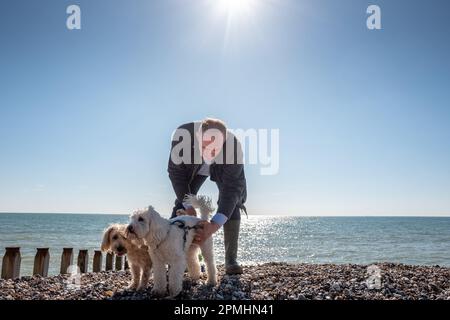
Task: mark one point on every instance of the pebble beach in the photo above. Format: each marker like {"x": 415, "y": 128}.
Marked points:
{"x": 269, "y": 281}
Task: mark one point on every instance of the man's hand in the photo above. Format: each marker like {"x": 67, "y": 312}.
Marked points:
{"x": 187, "y": 212}
{"x": 205, "y": 230}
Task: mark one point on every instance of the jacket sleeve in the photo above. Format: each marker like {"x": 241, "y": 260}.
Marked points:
{"x": 178, "y": 175}
{"x": 233, "y": 186}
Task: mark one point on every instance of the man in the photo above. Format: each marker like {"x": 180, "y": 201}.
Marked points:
{"x": 202, "y": 149}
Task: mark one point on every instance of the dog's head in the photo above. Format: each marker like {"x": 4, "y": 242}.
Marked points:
{"x": 114, "y": 239}
{"x": 140, "y": 221}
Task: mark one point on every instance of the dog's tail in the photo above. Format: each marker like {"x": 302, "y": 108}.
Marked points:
{"x": 203, "y": 203}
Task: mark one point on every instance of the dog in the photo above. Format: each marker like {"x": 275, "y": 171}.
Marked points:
{"x": 137, "y": 254}
{"x": 170, "y": 242}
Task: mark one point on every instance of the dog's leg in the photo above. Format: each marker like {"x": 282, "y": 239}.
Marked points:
{"x": 135, "y": 276}
{"x": 145, "y": 276}
{"x": 193, "y": 263}
{"x": 176, "y": 272}
{"x": 208, "y": 254}
{"x": 159, "y": 278}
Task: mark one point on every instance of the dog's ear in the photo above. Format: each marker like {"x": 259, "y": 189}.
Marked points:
{"x": 106, "y": 243}
{"x": 150, "y": 211}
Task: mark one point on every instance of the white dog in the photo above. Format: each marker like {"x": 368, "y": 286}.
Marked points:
{"x": 137, "y": 253}
{"x": 170, "y": 242}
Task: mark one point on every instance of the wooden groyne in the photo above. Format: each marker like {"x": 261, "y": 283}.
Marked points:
{"x": 12, "y": 260}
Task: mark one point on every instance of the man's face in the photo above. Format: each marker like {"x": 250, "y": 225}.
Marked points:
{"x": 212, "y": 143}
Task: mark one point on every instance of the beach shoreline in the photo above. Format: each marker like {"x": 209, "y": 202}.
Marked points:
{"x": 268, "y": 281}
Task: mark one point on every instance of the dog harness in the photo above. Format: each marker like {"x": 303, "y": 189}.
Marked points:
{"x": 182, "y": 225}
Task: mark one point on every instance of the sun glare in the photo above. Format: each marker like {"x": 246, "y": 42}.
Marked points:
{"x": 237, "y": 7}
{"x": 240, "y": 18}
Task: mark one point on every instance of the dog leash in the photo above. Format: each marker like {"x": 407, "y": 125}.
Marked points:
{"x": 243, "y": 208}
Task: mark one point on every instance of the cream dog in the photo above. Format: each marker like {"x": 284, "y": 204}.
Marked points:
{"x": 137, "y": 254}
{"x": 170, "y": 242}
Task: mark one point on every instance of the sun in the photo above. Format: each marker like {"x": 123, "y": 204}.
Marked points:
{"x": 236, "y": 7}
{"x": 239, "y": 19}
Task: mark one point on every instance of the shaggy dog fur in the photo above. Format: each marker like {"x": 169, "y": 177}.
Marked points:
{"x": 114, "y": 240}
{"x": 172, "y": 245}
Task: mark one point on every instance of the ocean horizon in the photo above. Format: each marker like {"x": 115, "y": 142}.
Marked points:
{"x": 253, "y": 214}
{"x": 293, "y": 239}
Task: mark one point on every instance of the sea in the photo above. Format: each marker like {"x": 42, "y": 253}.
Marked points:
{"x": 339, "y": 240}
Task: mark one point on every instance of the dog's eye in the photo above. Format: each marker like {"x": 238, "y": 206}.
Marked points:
{"x": 140, "y": 219}
{"x": 115, "y": 237}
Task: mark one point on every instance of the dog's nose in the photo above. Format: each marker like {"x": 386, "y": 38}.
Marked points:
{"x": 130, "y": 228}
{"x": 120, "y": 249}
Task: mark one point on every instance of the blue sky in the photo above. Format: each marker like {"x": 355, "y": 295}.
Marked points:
{"x": 86, "y": 115}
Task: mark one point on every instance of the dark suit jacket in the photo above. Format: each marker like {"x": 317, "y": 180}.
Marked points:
{"x": 228, "y": 174}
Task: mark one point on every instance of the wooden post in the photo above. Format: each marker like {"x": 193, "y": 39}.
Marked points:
{"x": 41, "y": 261}
{"x": 127, "y": 267}
{"x": 66, "y": 260}
{"x": 11, "y": 263}
{"x": 109, "y": 261}
{"x": 83, "y": 261}
{"x": 118, "y": 263}
{"x": 98, "y": 258}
